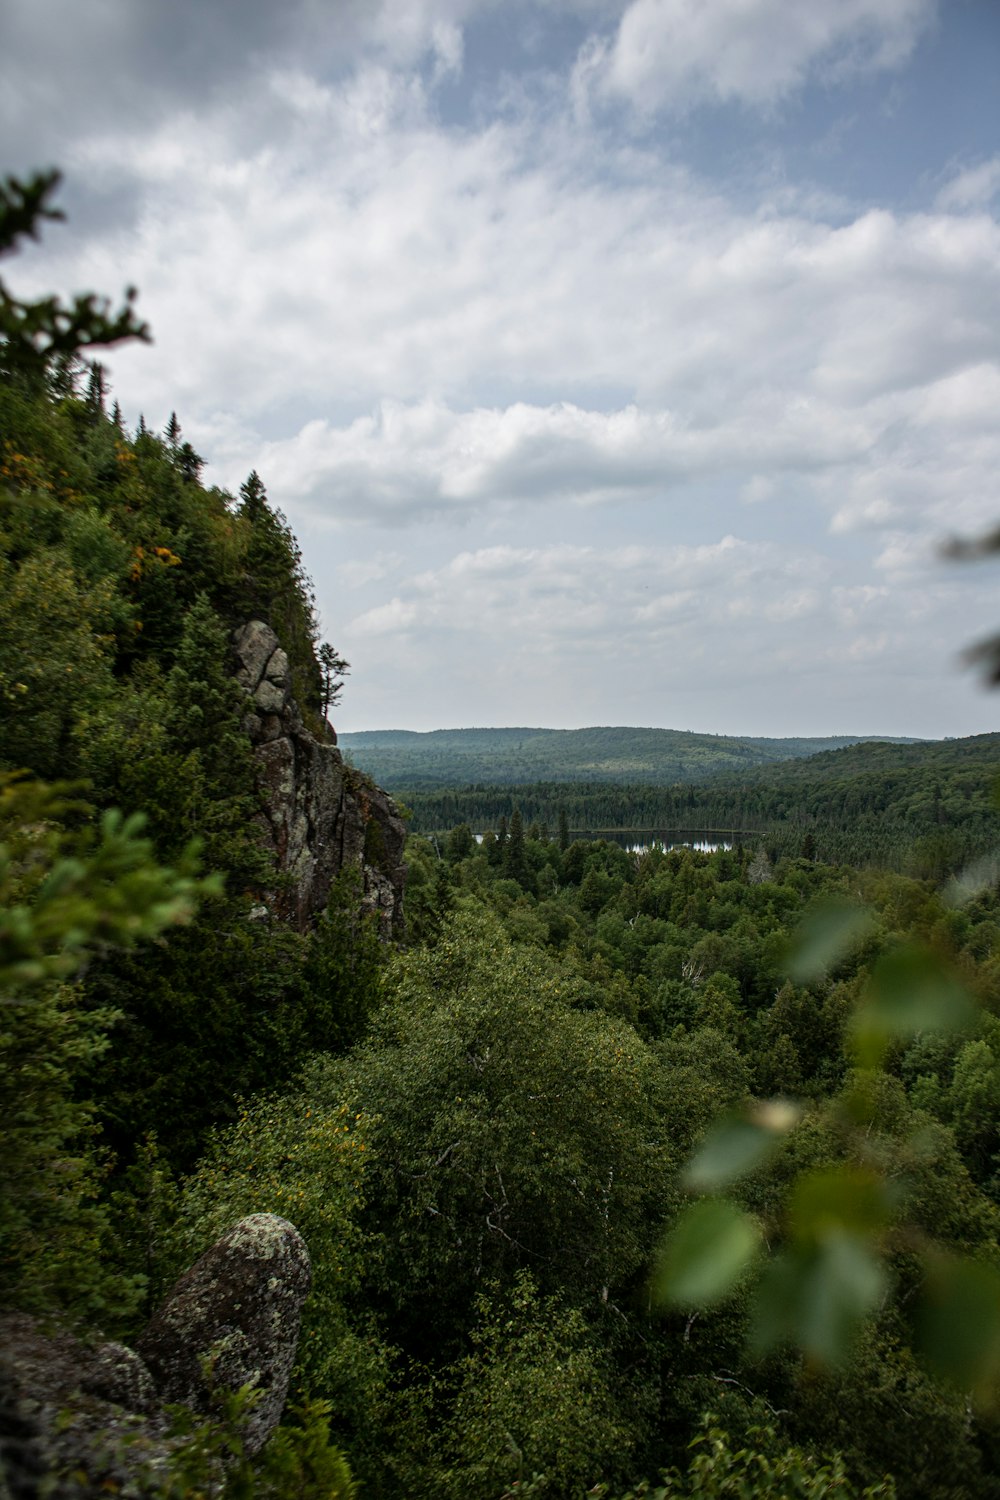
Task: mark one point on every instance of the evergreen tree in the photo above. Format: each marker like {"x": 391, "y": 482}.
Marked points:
{"x": 277, "y": 590}
{"x": 190, "y": 463}
{"x": 514, "y": 862}
{"x": 40, "y": 340}
{"x": 459, "y": 844}
{"x": 334, "y": 668}
{"x": 563, "y": 830}
{"x": 96, "y": 389}
{"x": 204, "y": 702}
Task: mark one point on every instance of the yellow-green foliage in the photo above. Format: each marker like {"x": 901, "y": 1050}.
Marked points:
{"x": 305, "y": 1160}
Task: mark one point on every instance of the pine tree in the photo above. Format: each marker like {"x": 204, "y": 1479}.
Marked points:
{"x": 173, "y": 431}
{"x": 334, "y": 669}
{"x": 205, "y": 704}
{"x": 190, "y": 463}
{"x": 278, "y": 591}
{"x": 96, "y": 389}
{"x": 514, "y": 862}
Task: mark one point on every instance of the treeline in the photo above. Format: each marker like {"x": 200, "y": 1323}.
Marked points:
{"x": 929, "y": 814}
{"x": 501, "y": 757}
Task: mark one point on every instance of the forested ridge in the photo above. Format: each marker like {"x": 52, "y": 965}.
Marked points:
{"x": 448, "y": 757}
{"x": 656, "y": 1173}
{"x": 925, "y": 808}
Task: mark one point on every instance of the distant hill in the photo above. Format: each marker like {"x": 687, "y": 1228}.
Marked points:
{"x": 927, "y": 807}
{"x": 402, "y": 759}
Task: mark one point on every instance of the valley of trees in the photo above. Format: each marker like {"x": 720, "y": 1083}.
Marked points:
{"x": 485, "y": 1135}
{"x": 926, "y": 809}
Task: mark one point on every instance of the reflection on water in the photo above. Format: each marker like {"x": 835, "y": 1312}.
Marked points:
{"x": 641, "y": 840}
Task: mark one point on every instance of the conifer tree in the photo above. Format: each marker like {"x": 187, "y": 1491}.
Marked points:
{"x": 190, "y": 463}
{"x": 42, "y": 339}
{"x": 96, "y": 388}
{"x": 515, "y": 864}
{"x": 334, "y": 669}
{"x": 205, "y": 703}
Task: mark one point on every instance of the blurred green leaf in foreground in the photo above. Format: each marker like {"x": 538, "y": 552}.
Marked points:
{"x": 841, "y": 1225}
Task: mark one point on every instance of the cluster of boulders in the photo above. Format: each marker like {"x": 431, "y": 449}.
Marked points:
{"x": 81, "y": 1421}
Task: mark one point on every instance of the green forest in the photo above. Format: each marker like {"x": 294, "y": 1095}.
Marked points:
{"x": 627, "y": 1173}
{"x": 925, "y": 809}
{"x": 512, "y": 757}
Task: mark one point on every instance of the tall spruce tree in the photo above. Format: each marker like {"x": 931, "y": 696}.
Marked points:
{"x": 278, "y": 591}
{"x": 514, "y": 862}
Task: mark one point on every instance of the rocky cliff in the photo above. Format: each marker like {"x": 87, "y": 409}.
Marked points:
{"x": 321, "y": 815}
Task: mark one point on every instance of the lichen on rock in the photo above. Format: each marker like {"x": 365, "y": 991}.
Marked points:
{"x": 77, "y": 1421}
{"x": 235, "y": 1315}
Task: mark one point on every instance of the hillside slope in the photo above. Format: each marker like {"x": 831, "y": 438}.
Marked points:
{"x": 405, "y": 759}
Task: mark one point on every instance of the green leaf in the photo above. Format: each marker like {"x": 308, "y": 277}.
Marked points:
{"x": 738, "y": 1144}
{"x": 853, "y": 1200}
{"x": 979, "y": 876}
{"x": 709, "y": 1248}
{"x": 826, "y": 935}
{"x": 958, "y": 1323}
{"x": 816, "y": 1297}
{"x": 911, "y": 989}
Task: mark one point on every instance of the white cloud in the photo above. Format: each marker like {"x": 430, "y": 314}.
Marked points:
{"x": 151, "y": 58}
{"x": 417, "y": 268}
{"x": 974, "y": 188}
{"x": 394, "y": 291}
{"x": 355, "y": 573}
{"x": 393, "y": 619}
{"x": 675, "y": 53}
{"x": 407, "y": 461}
{"x": 401, "y": 308}
{"x": 571, "y": 627}
{"x": 533, "y": 598}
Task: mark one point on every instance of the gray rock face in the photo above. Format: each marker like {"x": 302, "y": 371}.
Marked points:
{"x": 82, "y": 1422}
{"x": 240, "y": 1305}
{"x": 67, "y": 1423}
{"x": 117, "y": 1374}
{"x": 321, "y": 815}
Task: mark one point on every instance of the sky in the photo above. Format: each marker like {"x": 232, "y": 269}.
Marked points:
{"x": 614, "y": 361}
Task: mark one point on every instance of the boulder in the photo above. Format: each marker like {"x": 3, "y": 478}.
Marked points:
{"x": 74, "y": 1421}
{"x": 239, "y": 1307}
{"x": 254, "y": 644}
{"x": 79, "y": 1421}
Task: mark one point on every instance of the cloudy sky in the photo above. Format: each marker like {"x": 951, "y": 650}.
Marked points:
{"x": 615, "y": 361}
